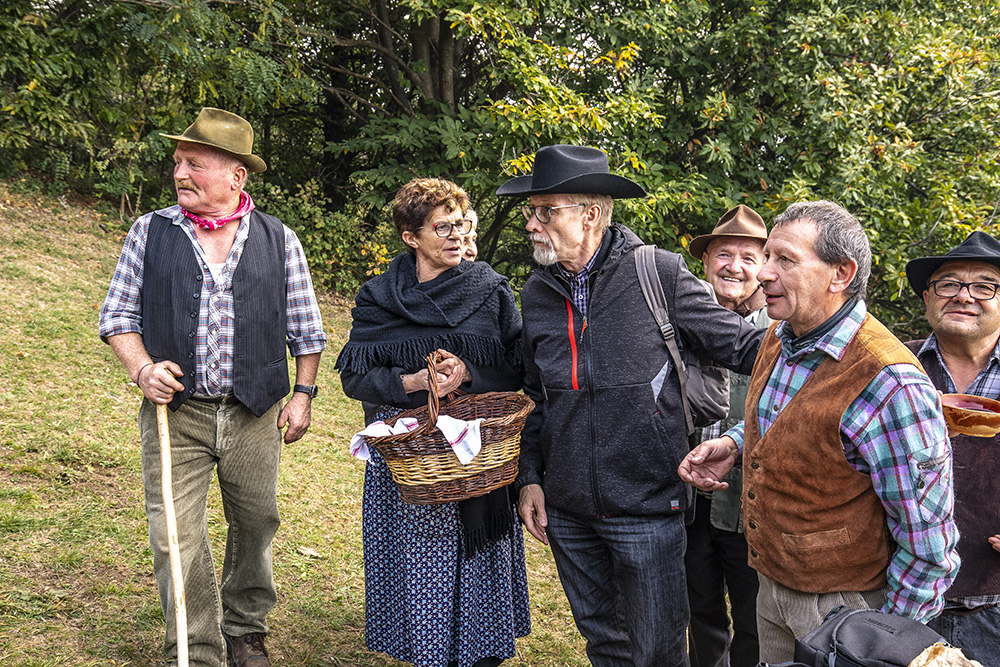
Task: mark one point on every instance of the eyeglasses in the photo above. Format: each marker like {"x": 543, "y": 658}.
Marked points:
{"x": 978, "y": 291}
{"x": 543, "y": 213}
{"x": 443, "y": 229}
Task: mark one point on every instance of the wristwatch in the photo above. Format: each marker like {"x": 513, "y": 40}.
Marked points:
{"x": 310, "y": 389}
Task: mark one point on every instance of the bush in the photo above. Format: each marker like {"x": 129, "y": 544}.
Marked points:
{"x": 342, "y": 254}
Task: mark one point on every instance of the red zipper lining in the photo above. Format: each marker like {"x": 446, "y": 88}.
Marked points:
{"x": 572, "y": 343}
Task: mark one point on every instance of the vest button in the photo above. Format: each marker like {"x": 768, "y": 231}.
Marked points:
{"x": 197, "y": 295}
{"x": 190, "y": 334}
{"x": 752, "y": 524}
{"x": 190, "y": 355}
{"x": 755, "y": 465}
{"x": 753, "y": 552}
{"x": 198, "y": 277}
{"x": 194, "y": 314}
{"x": 751, "y": 495}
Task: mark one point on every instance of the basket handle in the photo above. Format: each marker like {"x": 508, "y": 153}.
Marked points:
{"x": 433, "y": 402}
{"x": 432, "y": 393}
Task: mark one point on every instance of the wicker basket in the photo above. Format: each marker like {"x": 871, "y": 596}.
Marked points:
{"x": 422, "y": 463}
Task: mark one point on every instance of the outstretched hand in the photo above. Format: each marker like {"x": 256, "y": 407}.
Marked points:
{"x": 708, "y": 463}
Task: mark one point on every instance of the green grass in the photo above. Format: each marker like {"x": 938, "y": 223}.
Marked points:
{"x": 76, "y": 581}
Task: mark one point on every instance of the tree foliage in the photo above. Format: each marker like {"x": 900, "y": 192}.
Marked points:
{"x": 889, "y": 108}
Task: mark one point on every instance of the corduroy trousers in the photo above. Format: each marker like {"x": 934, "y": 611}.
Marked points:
{"x": 208, "y": 440}
{"x": 784, "y": 613}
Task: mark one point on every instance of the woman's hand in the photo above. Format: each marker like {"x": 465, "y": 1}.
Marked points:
{"x": 452, "y": 372}
{"x": 415, "y": 381}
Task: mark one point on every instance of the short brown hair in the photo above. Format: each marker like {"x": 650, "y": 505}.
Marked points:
{"x": 415, "y": 201}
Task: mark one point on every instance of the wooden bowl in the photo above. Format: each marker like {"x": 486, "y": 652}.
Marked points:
{"x": 971, "y": 415}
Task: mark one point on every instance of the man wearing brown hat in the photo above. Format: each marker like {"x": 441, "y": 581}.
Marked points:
{"x": 206, "y": 296}
{"x": 716, "y": 557}
{"x": 962, "y": 355}
{"x": 597, "y": 477}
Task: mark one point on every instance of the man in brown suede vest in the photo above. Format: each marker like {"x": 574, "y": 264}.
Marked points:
{"x": 847, "y": 494}
{"x": 962, "y": 355}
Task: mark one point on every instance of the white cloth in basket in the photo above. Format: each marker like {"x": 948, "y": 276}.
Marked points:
{"x": 465, "y": 437}
{"x": 358, "y": 446}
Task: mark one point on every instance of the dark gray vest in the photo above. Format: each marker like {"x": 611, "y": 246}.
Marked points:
{"x": 977, "y": 504}
{"x": 171, "y": 294}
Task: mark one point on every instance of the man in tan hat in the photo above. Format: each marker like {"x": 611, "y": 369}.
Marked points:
{"x": 206, "y": 296}
{"x": 716, "y": 557}
{"x": 597, "y": 477}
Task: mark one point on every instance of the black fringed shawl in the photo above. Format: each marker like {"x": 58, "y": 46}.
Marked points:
{"x": 399, "y": 321}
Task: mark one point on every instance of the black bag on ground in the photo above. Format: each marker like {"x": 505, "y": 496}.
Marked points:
{"x": 864, "y": 638}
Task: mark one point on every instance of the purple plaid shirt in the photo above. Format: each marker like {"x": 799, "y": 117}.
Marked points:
{"x": 122, "y": 310}
{"x": 894, "y": 432}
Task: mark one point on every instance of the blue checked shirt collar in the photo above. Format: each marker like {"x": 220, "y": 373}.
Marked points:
{"x": 987, "y": 383}
{"x": 579, "y": 283}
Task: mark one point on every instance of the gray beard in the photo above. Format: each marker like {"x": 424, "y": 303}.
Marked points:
{"x": 545, "y": 255}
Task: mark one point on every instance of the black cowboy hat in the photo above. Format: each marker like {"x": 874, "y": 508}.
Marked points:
{"x": 978, "y": 247}
{"x": 564, "y": 169}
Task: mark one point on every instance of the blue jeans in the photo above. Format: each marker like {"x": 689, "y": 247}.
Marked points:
{"x": 977, "y": 634}
{"x": 624, "y": 578}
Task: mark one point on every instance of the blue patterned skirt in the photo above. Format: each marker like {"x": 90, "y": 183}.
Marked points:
{"x": 424, "y": 602}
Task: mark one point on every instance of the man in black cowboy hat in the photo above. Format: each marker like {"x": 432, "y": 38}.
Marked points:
{"x": 716, "y": 557}
{"x": 599, "y": 454}
{"x": 206, "y": 296}
{"x": 962, "y": 355}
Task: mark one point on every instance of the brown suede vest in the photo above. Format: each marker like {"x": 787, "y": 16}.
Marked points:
{"x": 977, "y": 503}
{"x": 812, "y": 521}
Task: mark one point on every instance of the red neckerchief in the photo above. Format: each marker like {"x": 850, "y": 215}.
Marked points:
{"x": 246, "y": 205}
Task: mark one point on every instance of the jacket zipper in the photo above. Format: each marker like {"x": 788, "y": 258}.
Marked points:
{"x": 588, "y": 361}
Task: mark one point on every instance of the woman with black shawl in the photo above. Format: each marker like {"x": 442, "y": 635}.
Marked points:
{"x": 445, "y": 585}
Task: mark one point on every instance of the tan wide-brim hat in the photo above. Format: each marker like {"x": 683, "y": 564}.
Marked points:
{"x": 740, "y": 221}
{"x": 225, "y": 131}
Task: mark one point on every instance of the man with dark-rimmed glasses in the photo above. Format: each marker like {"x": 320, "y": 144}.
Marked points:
{"x": 962, "y": 355}
{"x": 597, "y": 478}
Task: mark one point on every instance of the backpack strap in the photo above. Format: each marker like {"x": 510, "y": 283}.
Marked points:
{"x": 652, "y": 291}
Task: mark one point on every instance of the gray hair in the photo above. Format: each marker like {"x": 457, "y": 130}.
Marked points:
{"x": 606, "y": 203}
{"x": 841, "y": 238}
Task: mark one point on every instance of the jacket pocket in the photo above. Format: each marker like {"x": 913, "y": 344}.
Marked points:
{"x": 816, "y": 541}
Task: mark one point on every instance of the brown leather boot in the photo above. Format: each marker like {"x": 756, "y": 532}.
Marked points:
{"x": 247, "y": 650}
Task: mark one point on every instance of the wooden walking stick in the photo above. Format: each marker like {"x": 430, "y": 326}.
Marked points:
{"x": 173, "y": 547}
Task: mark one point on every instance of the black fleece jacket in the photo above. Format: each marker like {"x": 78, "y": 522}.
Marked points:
{"x": 608, "y": 433}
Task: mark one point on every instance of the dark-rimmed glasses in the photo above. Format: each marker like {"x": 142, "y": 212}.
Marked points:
{"x": 543, "y": 213}
{"x": 979, "y": 291}
{"x": 443, "y": 229}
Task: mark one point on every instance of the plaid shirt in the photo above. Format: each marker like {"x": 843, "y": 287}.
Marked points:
{"x": 987, "y": 384}
{"x": 889, "y": 432}
{"x": 122, "y": 310}
{"x": 579, "y": 284}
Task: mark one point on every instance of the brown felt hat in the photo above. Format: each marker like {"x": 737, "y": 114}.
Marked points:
{"x": 225, "y": 131}
{"x": 739, "y": 221}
